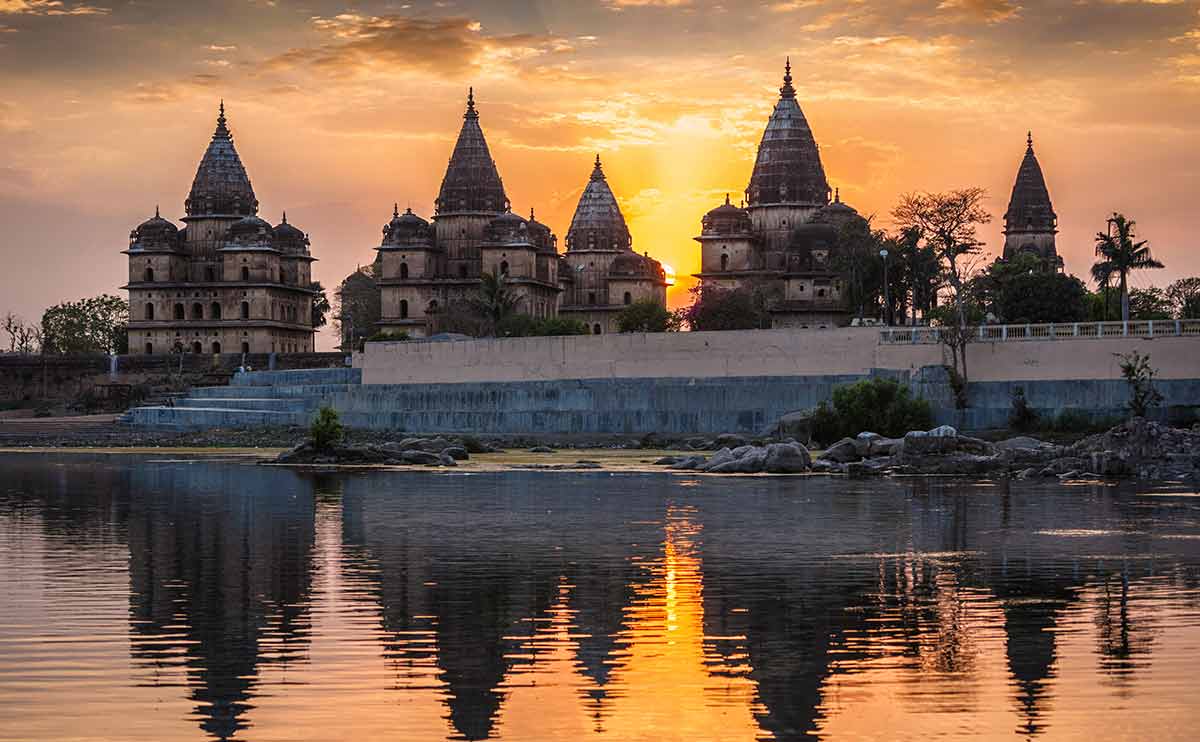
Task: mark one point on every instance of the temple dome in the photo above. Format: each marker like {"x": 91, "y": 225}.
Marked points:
{"x": 289, "y": 239}
{"x": 1030, "y": 209}
{"x": 471, "y": 184}
{"x": 838, "y": 214}
{"x": 788, "y": 169}
{"x": 541, "y": 236}
{"x": 632, "y": 265}
{"x": 726, "y": 219}
{"x": 598, "y": 223}
{"x": 405, "y": 228}
{"x": 221, "y": 186}
{"x": 251, "y": 231}
{"x": 155, "y": 233}
{"x": 507, "y": 228}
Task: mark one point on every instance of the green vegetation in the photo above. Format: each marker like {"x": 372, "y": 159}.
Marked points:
{"x": 1021, "y": 290}
{"x": 1139, "y": 375}
{"x": 881, "y": 406}
{"x": 320, "y": 305}
{"x": 95, "y": 325}
{"x": 326, "y": 429}
{"x": 1119, "y": 255}
{"x": 715, "y": 308}
{"x": 522, "y": 325}
{"x": 647, "y": 315}
{"x": 1022, "y": 418}
{"x": 388, "y": 337}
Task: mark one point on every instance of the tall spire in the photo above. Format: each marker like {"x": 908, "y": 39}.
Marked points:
{"x": 598, "y": 223}
{"x": 788, "y": 169}
{"x": 1030, "y": 222}
{"x": 471, "y": 183}
{"x": 787, "y": 91}
{"x": 221, "y": 186}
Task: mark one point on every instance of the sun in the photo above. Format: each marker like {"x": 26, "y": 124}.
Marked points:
{"x": 670, "y": 274}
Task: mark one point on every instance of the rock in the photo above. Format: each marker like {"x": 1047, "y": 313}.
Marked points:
{"x": 750, "y": 462}
{"x": 1020, "y": 442}
{"x": 458, "y": 453}
{"x": 1029, "y": 473}
{"x": 420, "y": 457}
{"x": 446, "y": 459}
{"x": 723, "y": 456}
{"x": 729, "y": 440}
{"x": 787, "y": 458}
{"x": 699, "y": 444}
{"x": 844, "y": 451}
{"x": 741, "y": 451}
{"x": 295, "y": 454}
{"x": 825, "y": 466}
{"x": 796, "y": 424}
{"x": 690, "y": 462}
{"x": 667, "y": 461}
{"x": 541, "y": 449}
{"x": 867, "y": 435}
{"x": 884, "y": 447}
{"x": 474, "y": 445}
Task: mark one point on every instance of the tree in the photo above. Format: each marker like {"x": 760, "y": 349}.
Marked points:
{"x": 523, "y": 325}
{"x": 1019, "y": 291}
{"x": 495, "y": 302}
{"x": 647, "y": 315}
{"x": 358, "y": 308}
{"x": 947, "y": 224}
{"x": 1139, "y": 375}
{"x": 96, "y": 325}
{"x": 22, "y": 337}
{"x": 1119, "y": 255}
{"x": 1150, "y": 304}
{"x": 320, "y": 305}
{"x": 714, "y": 308}
{"x": 1184, "y": 296}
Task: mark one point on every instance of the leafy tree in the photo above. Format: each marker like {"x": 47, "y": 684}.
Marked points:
{"x": 326, "y": 429}
{"x": 523, "y": 325}
{"x": 1119, "y": 255}
{"x": 320, "y": 305}
{"x": 1149, "y": 304}
{"x": 647, "y": 316}
{"x": 881, "y": 406}
{"x": 1019, "y": 290}
{"x": 744, "y": 308}
{"x": 357, "y": 308}
{"x": 495, "y": 302}
{"x": 95, "y": 325}
{"x": 947, "y": 224}
{"x": 1184, "y": 296}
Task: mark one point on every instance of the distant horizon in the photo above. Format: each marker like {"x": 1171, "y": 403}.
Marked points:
{"x": 339, "y": 113}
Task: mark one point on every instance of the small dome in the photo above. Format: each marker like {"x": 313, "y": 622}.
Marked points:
{"x": 289, "y": 239}
{"x": 251, "y": 231}
{"x": 838, "y": 214}
{"x": 631, "y": 264}
{"x": 540, "y": 235}
{"x": 154, "y": 233}
{"x": 508, "y": 227}
{"x": 405, "y": 228}
{"x": 726, "y": 219}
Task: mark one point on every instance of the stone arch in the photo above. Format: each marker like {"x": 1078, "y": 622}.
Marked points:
{"x": 404, "y": 309}
{"x": 245, "y": 310}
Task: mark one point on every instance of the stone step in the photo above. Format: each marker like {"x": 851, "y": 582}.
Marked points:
{"x": 265, "y": 392}
{"x": 275, "y": 404}
{"x": 300, "y": 377}
{"x": 203, "y": 418}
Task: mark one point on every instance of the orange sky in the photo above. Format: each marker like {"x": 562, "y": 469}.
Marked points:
{"x": 339, "y": 110}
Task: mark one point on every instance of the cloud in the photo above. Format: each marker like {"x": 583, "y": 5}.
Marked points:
{"x": 447, "y": 47}
{"x": 49, "y": 7}
{"x": 622, "y": 4}
{"x": 989, "y": 11}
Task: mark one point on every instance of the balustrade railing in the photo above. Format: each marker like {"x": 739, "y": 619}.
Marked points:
{"x": 1049, "y": 331}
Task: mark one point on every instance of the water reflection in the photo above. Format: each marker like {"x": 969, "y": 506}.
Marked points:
{"x": 261, "y": 603}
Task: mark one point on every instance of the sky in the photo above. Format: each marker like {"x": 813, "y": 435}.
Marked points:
{"x": 341, "y": 109}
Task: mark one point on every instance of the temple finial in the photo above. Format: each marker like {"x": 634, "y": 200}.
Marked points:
{"x": 285, "y": 216}
{"x": 787, "y": 91}
{"x": 222, "y": 129}
{"x": 531, "y": 213}
{"x": 597, "y": 171}
{"x": 837, "y": 195}
{"x": 395, "y": 209}
{"x": 471, "y": 102}
{"x": 726, "y": 199}
{"x": 156, "y": 214}
{"x": 1029, "y": 139}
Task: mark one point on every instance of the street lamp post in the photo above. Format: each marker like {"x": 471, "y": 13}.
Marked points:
{"x": 887, "y": 320}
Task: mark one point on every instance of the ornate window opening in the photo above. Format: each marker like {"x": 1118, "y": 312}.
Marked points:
{"x": 214, "y": 310}
{"x": 245, "y": 310}
{"x": 628, "y": 298}
{"x": 403, "y": 270}
{"x": 179, "y": 311}
{"x": 149, "y": 311}
{"x": 197, "y": 348}
{"x": 245, "y": 273}
{"x": 148, "y": 277}
{"x": 149, "y": 349}
{"x": 592, "y": 298}
{"x": 197, "y": 311}
{"x": 245, "y": 348}
{"x": 724, "y": 262}
{"x": 404, "y": 309}
{"x": 596, "y": 329}
{"x": 216, "y": 348}
{"x": 504, "y": 267}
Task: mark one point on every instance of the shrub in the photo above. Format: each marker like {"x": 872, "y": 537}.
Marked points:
{"x": 882, "y": 406}
{"x": 647, "y": 315}
{"x": 1022, "y": 417}
{"x": 326, "y": 429}
{"x": 384, "y": 337}
{"x": 523, "y": 325}
{"x": 1139, "y": 375}
{"x": 1072, "y": 420}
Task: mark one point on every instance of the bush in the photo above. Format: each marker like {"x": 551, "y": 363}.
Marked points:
{"x": 385, "y": 337}
{"x": 647, "y": 316}
{"x": 326, "y": 429}
{"x": 523, "y": 325}
{"x": 1022, "y": 418}
{"x": 881, "y": 406}
{"x": 1139, "y": 375}
{"x": 1072, "y": 420}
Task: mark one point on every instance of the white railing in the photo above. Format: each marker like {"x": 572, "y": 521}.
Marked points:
{"x": 1052, "y": 331}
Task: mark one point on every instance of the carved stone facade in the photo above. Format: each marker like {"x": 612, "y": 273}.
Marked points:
{"x": 228, "y": 282}
{"x": 427, "y": 268}
{"x": 784, "y": 238}
{"x": 1030, "y": 224}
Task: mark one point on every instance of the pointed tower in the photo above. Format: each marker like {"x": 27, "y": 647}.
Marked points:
{"x": 221, "y": 192}
{"x": 788, "y": 183}
{"x": 1030, "y": 224}
{"x": 598, "y": 223}
{"x": 471, "y": 195}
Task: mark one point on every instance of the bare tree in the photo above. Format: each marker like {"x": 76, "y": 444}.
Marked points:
{"x": 22, "y": 336}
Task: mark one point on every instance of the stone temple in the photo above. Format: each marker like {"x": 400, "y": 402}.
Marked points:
{"x": 227, "y": 282}
{"x": 1030, "y": 224}
{"x": 784, "y": 239}
{"x": 426, "y": 268}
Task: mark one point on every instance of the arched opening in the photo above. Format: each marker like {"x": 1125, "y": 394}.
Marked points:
{"x": 628, "y": 298}
{"x": 596, "y": 329}
{"x": 245, "y": 273}
{"x": 245, "y": 348}
{"x": 281, "y": 275}
{"x": 214, "y": 310}
{"x": 149, "y": 275}
{"x": 197, "y": 311}
{"x": 210, "y": 274}
{"x": 504, "y": 267}
{"x": 149, "y": 349}
{"x": 724, "y": 262}
{"x": 216, "y": 348}
{"x": 197, "y": 348}
{"x": 149, "y": 311}
{"x": 820, "y": 293}
{"x": 591, "y": 298}
{"x": 404, "y": 270}
{"x": 404, "y": 309}
{"x": 245, "y": 310}
{"x": 179, "y": 311}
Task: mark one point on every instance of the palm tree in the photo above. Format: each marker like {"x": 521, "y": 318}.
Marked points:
{"x": 495, "y": 301}
{"x": 1119, "y": 255}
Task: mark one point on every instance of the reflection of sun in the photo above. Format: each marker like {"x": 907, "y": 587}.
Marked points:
{"x": 670, "y": 274}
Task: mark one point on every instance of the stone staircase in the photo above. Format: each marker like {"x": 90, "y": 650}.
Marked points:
{"x": 254, "y": 399}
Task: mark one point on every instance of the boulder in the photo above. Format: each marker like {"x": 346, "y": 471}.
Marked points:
{"x": 541, "y": 449}
{"x": 751, "y": 462}
{"x": 825, "y": 466}
{"x": 296, "y": 454}
{"x": 843, "y": 452}
{"x": 446, "y": 459}
{"x": 699, "y": 444}
{"x": 787, "y": 458}
{"x": 667, "y": 461}
{"x": 741, "y": 451}
{"x": 795, "y": 424}
{"x": 723, "y": 456}
{"x": 420, "y": 457}
{"x": 458, "y": 453}
{"x": 884, "y": 447}
{"x": 1020, "y": 442}
{"x": 689, "y": 462}
{"x": 729, "y": 440}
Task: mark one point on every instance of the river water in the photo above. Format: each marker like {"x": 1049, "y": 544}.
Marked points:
{"x": 143, "y": 598}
